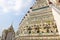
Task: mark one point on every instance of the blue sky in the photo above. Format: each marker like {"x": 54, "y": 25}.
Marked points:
{"x": 12, "y": 12}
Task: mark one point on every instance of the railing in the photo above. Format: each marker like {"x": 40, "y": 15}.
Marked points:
{"x": 40, "y": 34}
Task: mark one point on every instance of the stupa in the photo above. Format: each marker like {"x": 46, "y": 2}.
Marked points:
{"x": 38, "y": 23}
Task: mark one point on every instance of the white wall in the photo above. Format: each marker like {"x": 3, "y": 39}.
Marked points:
{"x": 56, "y": 14}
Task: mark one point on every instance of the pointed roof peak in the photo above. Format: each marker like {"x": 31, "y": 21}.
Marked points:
{"x": 11, "y": 27}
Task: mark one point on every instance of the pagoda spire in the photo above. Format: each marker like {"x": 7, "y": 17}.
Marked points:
{"x": 11, "y": 27}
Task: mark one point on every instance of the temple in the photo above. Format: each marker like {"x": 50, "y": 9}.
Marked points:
{"x": 39, "y": 23}
{"x": 8, "y": 34}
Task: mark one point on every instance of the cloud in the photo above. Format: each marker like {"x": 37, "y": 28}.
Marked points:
{"x": 28, "y": 3}
{"x": 25, "y": 5}
{"x": 8, "y": 5}
{"x": 16, "y": 14}
{"x": 16, "y": 6}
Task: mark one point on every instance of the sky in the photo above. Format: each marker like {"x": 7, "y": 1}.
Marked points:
{"x": 12, "y": 12}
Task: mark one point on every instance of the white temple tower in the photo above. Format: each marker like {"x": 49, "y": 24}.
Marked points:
{"x": 55, "y": 6}
{"x": 38, "y": 23}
